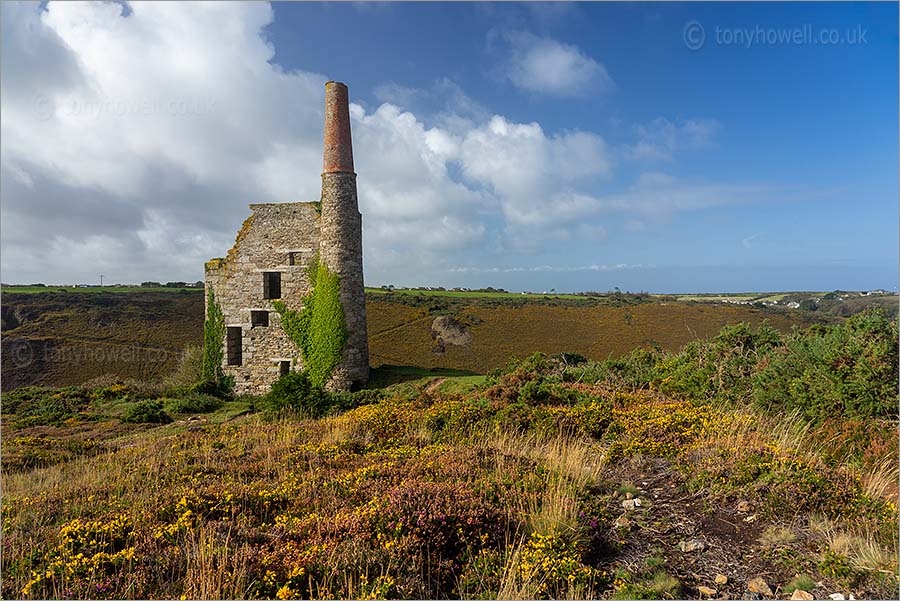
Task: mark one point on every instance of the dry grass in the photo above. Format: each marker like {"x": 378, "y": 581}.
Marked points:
{"x": 789, "y": 432}
{"x": 778, "y": 536}
{"x": 573, "y": 464}
{"x": 882, "y": 480}
{"x": 217, "y": 568}
{"x": 862, "y": 551}
{"x": 512, "y": 585}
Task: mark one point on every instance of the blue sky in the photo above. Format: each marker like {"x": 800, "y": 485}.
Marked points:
{"x": 575, "y": 147}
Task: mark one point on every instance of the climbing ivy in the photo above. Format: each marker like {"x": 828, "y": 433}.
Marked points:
{"x": 213, "y": 339}
{"x": 318, "y": 329}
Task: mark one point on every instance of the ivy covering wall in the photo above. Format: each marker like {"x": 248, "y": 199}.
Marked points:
{"x": 318, "y": 329}
{"x": 213, "y": 339}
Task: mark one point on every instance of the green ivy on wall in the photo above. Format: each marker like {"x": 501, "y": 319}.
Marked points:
{"x": 318, "y": 329}
{"x": 213, "y": 339}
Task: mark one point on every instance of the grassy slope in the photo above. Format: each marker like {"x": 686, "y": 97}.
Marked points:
{"x": 434, "y": 494}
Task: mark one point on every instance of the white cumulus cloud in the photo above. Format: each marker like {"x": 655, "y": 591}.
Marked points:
{"x": 544, "y": 65}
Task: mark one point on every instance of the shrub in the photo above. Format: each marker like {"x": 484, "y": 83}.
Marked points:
{"x": 295, "y": 391}
{"x": 36, "y": 405}
{"x": 193, "y": 403}
{"x": 720, "y": 368}
{"x": 849, "y": 370}
{"x": 146, "y": 412}
{"x": 570, "y": 359}
{"x": 635, "y": 370}
{"x": 590, "y": 417}
{"x": 222, "y": 388}
{"x": 190, "y": 368}
{"x": 554, "y": 562}
{"x": 112, "y": 392}
{"x": 345, "y": 401}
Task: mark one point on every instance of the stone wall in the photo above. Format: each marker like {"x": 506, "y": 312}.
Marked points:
{"x": 273, "y": 237}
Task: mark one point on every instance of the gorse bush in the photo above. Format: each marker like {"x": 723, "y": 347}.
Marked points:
{"x": 146, "y": 412}
{"x": 719, "y": 368}
{"x": 295, "y": 392}
{"x": 635, "y": 370}
{"x": 36, "y": 405}
{"x": 848, "y": 369}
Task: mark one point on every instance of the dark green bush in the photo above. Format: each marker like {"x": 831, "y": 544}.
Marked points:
{"x": 193, "y": 403}
{"x": 570, "y": 359}
{"x": 848, "y": 370}
{"x": 295, "y": 392}
{"x": 146, "y": 412}
{"x": 547, "y": 391}
{"x": 222, "y": 388}
{"x": 720, "y": 368}
{"x": 344, "y": 401}
{"x": 36, "y": 405}
{"x": 635, "y": 370}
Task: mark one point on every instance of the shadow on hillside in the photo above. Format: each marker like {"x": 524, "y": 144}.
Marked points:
{"x": 385, "y": 375}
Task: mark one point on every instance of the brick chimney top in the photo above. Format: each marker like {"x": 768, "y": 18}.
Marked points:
{"x": 338, "y": 149}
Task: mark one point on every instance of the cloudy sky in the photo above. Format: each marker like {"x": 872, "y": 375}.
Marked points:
{"x": 659, "y": 147}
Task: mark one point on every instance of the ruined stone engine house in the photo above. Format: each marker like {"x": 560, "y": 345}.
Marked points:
{"x": 270, "y": 261}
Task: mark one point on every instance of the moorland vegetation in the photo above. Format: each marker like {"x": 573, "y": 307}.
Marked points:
{"x": 755, "y": 462}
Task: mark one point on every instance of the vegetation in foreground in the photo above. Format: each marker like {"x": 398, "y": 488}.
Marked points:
{"x": 755, "y": 461}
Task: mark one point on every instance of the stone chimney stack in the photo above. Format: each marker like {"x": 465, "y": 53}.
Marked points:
{"x": 340, "y": 246}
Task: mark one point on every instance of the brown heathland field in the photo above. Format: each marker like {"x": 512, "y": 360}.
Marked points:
{"x": 65, "y": 339}
{"x": 402, "y": 335}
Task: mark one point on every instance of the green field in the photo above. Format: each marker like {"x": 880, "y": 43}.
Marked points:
{"x": 475, "y": 294}
{"x": 14, "y": 289}
{"x": 742, "y": 296}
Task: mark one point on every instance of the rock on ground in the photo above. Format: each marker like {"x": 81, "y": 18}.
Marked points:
{"x": 758, "y": 585}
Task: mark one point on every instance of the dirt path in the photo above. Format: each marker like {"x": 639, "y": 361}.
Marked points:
{"x": 692, "y": 537}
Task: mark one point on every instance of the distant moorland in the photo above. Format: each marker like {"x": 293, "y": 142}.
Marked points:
{"x": 65, "y": 336}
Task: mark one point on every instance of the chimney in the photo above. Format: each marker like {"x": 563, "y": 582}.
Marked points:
{"x": 338, "y": 151}
{"x": 340, "y": 237}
